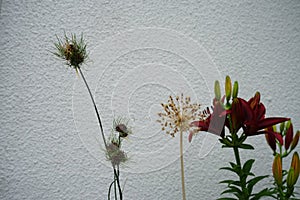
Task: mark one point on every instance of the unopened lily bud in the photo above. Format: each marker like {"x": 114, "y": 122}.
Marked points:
{"x": 217, "y": 90}
{"x": 282, "y": 127}
{"x": 274, "y": 128}
{"x": 277, "y": 169}
{"x": 235, "y": 89}
{"x": 289, "y": 135}
{"x": 294, "y": 170}
{"x": 295, "y": 140}
{"x": 271, "y": 138}
{"x": 228, "y": 88}
{"x": 290, "y": 178}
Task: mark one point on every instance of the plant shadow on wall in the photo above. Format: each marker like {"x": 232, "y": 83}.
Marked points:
{"x": 240, "y": 117}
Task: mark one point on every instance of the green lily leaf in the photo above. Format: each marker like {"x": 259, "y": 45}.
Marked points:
{"x": 246, "y": 146}
{"x": 233, "y": 190}
{"x": 229, "y": 169}
{"x": 247, "y": 166}
{"x": 231, "y": 182}
{"x": 253, "y": 181}
{"x": 263, "y": 193}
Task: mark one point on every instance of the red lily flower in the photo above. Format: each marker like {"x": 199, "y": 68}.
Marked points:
{"x": 240, "y": 112}
{"x": 214, "y": 123}
{"x": 257, "y": 123}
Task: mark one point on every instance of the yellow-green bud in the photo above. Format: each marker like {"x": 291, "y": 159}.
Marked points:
{"x": 277, "y": 169}
{"x": 235, "y": 89}
{"x": 295, "y": 140}
{"x": 294, "y": 170}
{"x": 282, "y": 127}
{"x": 228, "y": 88}
{"x": 290, "y": 178}
{"x": 288, "y": 124}
{"x": 217, "y": 90}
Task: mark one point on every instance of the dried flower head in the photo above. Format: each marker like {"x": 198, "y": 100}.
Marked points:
{"x": 71, "y": 50}
{"x": 114, "y": 152}
{"x": 121, "y": 126}
{"x": 178, "y": 114}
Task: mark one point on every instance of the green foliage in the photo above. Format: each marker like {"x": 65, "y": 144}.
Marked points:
{"x": 243, "y": 188}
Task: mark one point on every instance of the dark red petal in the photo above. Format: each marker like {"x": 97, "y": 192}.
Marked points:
{"x": 247, "y": 112}
{"x": 289, "y": 137}
{"x": 203, "y": 125}
{"x": 260, "y": 112}
{"x": 254, "y": 101}
{"x": 271, "y": 138}
{"x": 267, "y": 122}
{"x": 278, "y": 136}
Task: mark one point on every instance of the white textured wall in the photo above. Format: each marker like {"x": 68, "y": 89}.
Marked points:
{"x": 45, "y": 155}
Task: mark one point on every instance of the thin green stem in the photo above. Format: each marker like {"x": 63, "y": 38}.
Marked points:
{"x": 115, "y": 185}
{"x": 95, "y": 107}
{"x": 102, "y": 133}
{"x": 182, "y": 166}
{"x": 109, "y": 189}
{"x": 116, "y": 172}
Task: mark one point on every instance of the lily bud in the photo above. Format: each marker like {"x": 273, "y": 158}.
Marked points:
{"x": 235, "y": 89}
{"x": 289, "y": 135}
{"x": 294, "y": 171}
{"x": 217, "y": 90}
{"x": 271, "y": 139}
{"x": 277, "y": 169}
{"x": 282, "y": 127}
{"x": 228, "y": 88}
{"x": 290, "y": 178}
{"x": 295, "y": 140}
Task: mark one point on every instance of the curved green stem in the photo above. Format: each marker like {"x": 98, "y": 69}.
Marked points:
{"x": 116, "y": 176}
{"x": 109, "y": 189}
{"x": 95, "y": 107}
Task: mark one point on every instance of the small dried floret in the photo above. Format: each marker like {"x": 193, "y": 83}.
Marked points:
{"x": 121, "y": 126}
{"x": 115, "y": 154}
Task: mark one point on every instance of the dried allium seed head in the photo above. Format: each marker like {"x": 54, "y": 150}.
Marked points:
{"x": 178, "y": 114}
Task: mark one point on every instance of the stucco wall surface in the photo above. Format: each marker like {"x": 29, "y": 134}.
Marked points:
{"x": 140, "y": 52}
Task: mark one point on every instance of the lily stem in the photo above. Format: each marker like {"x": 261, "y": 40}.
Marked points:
{"x": 238, "y": 162}
{"x": 182, "y": 166}
{"x": 237, "y": 156}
